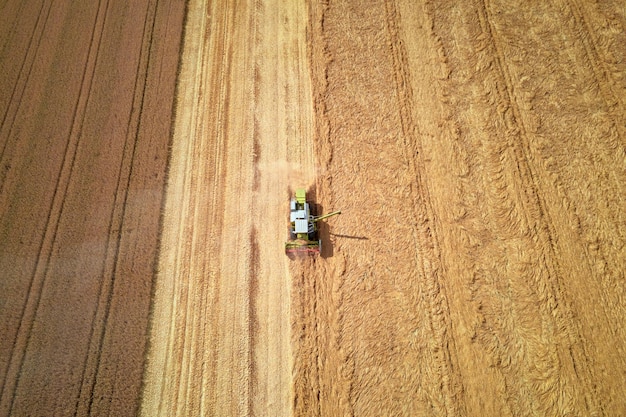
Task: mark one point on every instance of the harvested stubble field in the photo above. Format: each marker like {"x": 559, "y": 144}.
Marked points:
{"x": 477, "y": 150}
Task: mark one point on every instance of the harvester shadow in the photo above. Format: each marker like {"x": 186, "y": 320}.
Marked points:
{"x": 327, "y": 249}
{"x": 349, "y": 236}
{"x": 327, "y": 246}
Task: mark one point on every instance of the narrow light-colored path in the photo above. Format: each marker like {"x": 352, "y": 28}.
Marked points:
{"x": 220, "y": 334}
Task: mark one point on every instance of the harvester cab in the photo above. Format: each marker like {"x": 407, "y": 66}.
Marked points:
{"x": 303, "y": 236}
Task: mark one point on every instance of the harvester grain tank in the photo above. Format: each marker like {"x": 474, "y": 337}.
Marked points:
{"x": 303, "y": 226}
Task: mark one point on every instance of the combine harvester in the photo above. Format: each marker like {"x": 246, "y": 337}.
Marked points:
{"x": 303, "y": 227}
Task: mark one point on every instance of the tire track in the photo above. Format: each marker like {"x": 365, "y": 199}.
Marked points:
{"x": 591, "y": 237}
{"x": 616, "y": 103}
{"x": 497, "y": 228}
{"x": 580, "y": 349}
{"x": 19, "y": 86}
{"x": 92, "y": 363}
{"x": 28, "y": 57}
{"x": 9, "y": 22}
{"x": 427, "y": 234}
{"x": 38, "y": 278}
{"x": 253, "y": 324}
{"x": 558, "y": 300}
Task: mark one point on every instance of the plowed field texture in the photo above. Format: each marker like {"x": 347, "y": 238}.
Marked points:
{"x": 148, "y": 152}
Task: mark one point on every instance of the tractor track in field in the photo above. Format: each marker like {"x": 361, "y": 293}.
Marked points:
{"x": 428, "y": 232}
{"x": 38, "y": 280}
{"x": 596, "y": 59}
{"x": 23, "y": 74}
